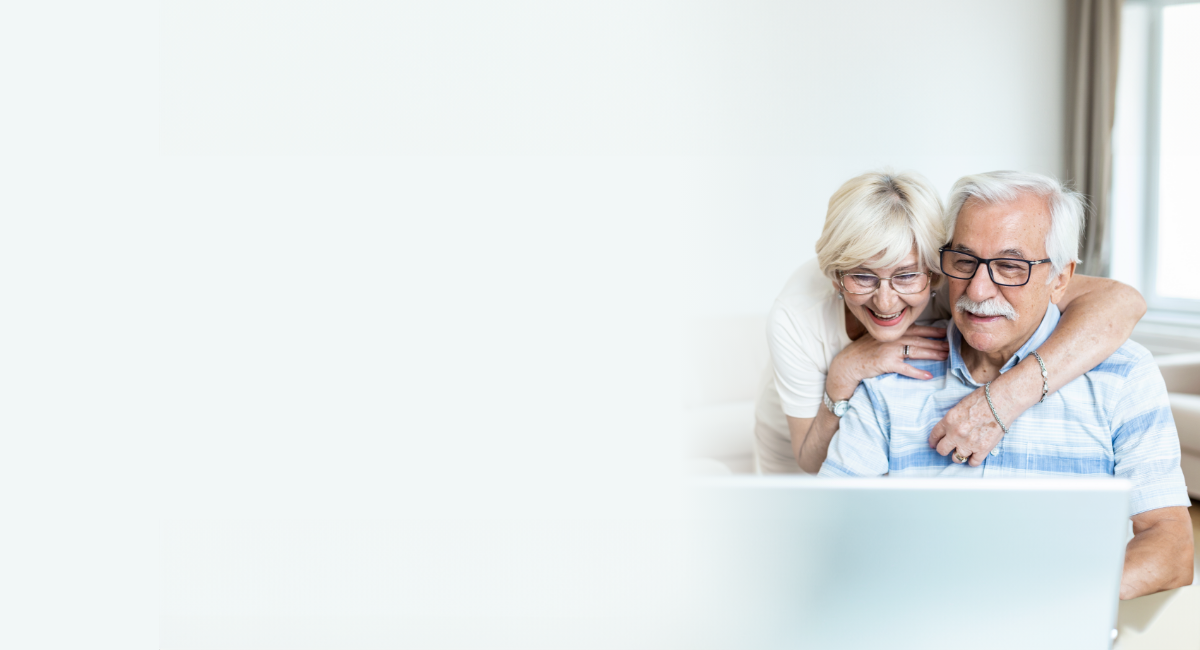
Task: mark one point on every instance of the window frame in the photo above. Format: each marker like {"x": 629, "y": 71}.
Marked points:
{"x": 1153, "y": 135}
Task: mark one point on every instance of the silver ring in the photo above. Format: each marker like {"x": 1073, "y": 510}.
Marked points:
{"x": 906, "y": 352}
{"x": 959, "y": 458}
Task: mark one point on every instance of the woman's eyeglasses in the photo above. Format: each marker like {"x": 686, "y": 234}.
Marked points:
{"x": 864, "y": 283}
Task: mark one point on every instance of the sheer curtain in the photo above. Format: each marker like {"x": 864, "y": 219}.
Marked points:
{"x": 1094, "y": 30}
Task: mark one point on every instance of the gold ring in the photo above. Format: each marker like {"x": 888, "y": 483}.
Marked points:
{"x": 959, "y": 457}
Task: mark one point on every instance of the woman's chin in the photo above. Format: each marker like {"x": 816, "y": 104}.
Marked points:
{"x": 887, "y": 335}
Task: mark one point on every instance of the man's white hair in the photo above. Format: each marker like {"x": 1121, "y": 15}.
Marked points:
{"x": 993, "y": 188}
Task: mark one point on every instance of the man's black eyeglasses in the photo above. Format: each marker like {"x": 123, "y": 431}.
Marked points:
{"x": 1004, "y": 271}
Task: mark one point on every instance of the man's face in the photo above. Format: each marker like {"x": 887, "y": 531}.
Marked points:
{"x": 1018, "y": 230}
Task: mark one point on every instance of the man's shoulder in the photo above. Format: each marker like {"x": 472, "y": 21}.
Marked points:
{"x": 893, "y": 388}
{"x": 893, "y": 382}
{"x": 1128, "y": 358}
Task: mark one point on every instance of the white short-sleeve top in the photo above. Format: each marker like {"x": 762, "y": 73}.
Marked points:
{"x": 806, "y": 329}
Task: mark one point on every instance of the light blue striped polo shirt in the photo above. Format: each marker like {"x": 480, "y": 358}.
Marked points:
{"x": 1114, "y": 420}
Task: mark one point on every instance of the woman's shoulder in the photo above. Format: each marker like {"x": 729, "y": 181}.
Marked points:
{"x": 807, "y": 302}
{"x": 806, "y": 286}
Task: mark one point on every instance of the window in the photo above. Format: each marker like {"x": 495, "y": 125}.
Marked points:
{"x": 1156, "y": 154}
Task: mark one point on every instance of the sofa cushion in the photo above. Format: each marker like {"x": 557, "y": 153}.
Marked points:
{"x": 1181, "y": 372}
{"x": 1186, "y": 411}
{"x": 719, "y": 431}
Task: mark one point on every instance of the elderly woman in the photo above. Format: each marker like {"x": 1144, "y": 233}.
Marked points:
{"x": 856, "y": 312}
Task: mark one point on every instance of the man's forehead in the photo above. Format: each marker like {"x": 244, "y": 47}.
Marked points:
{"x": 1011, "y": 251}
{"x": 1016, "y": 228}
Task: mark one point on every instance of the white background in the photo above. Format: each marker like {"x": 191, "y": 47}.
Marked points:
{"x": 356, "y": 324}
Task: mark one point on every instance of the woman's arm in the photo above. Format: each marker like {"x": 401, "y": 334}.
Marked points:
{"x": 1098, "y": 316}
{"x": 812, "y": 439}
{"x": 863, "y": 358}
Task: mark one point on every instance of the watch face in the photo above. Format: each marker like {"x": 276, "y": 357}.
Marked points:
{"x": 840, "y": 408}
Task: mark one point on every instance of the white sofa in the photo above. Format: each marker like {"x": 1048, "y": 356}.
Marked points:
{"x": 1182, "y": 374}
{"x": 727, "y": 358}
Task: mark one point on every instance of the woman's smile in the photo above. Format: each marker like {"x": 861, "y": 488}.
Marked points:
{"x": 886, "y": 320}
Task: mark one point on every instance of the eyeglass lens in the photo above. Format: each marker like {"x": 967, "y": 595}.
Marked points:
{"x": 1006, "y": 272}
{"x": 867, "y": 283}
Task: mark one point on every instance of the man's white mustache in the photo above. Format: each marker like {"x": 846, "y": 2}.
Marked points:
{"x": 989, "y": 307}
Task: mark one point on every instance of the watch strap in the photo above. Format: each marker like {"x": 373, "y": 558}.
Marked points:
{"x": 829, "y": 404}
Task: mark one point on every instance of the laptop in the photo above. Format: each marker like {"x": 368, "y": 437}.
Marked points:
{"x": 802, "y": 562}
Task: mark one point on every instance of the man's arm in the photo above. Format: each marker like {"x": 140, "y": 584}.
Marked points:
{"x": 1146, "y": 451}
{"x": 1159, "y": 557}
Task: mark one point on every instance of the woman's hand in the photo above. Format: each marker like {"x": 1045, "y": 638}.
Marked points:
{"x": 970, "y": 428}
{"x": 860, "y": 360}
{"x": 868, "y": 357}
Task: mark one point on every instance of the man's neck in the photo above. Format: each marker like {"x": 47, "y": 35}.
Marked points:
{"x": 985, "y": 366}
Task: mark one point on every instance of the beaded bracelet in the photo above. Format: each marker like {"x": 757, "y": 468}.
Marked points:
{"x": 1045, "y": 376}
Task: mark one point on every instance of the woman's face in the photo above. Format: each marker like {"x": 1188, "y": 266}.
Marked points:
{"x": 885, "y": 313}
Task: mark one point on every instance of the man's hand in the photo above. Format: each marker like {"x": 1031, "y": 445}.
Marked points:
{"x": 1159, "y": 557}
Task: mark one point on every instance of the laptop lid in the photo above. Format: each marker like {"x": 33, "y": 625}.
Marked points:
{"x": 801, "y": 562}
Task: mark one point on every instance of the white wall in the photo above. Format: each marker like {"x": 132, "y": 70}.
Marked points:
{"x": 348, "y": 262}
{"x": 773, "y": 104}
{"x": 942, "y": 88}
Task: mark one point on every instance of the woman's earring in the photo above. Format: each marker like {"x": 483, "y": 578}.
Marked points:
{"x": 841, "y": 295}
{"x": 933, "y": 294}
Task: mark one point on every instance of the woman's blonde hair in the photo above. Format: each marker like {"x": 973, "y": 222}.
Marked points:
{"x": 878, "y": 218}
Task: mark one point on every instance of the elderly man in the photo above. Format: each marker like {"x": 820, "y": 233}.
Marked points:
{"x": 1012, "y": 252}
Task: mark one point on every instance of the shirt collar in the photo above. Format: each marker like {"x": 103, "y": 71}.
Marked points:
{"x": 959, "y": 367}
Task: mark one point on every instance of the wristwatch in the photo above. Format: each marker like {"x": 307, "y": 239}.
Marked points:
{"x": 839, "y": 409}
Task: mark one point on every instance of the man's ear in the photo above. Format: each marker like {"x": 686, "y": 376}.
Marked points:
{"x": 1058, "y": 286}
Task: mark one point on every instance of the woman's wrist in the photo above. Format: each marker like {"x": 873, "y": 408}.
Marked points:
{"x": 1020, "y": 388}
{"x": 841, "y": 381}
{"x": 840, "y": 391}
{"x": 841, "y": 386}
